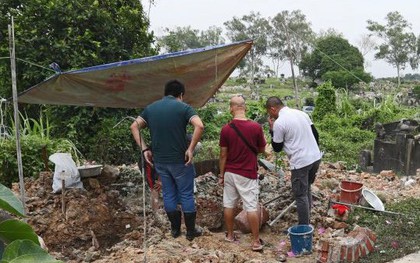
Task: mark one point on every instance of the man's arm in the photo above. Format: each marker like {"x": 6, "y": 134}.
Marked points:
{"x": 198, "y": 131}
{"x": 135, "y": 127}
{"x": 277, "y": 146}
{"x": 222, "y": 163}
{"x": 262, "y": 142}
{"x": 315, "y": 133}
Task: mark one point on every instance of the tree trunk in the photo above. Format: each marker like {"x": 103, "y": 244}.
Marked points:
{"x": 295, "y": 84}
{"x": 291, "y": 67}
{"x": 252, "y": 66}
{"x": 398, "y": 76}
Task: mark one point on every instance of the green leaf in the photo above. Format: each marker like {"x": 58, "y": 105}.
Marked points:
{"x": 9, "y": 202}
{"x": 13, "y": 229}
{"x": 26, "y": 251}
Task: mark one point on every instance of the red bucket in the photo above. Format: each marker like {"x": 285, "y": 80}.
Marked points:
{"x": 350, "y": 192}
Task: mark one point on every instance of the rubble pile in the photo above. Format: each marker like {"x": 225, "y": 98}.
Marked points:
{"x": 104, "y": 222}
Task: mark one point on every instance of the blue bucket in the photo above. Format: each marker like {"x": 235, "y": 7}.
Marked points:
{"x": 301, "y": 239}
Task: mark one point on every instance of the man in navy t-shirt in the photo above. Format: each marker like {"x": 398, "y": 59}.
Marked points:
{"x": 167, "y": 120}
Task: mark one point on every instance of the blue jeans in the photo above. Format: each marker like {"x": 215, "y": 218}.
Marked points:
{"x": 177, "y": 186}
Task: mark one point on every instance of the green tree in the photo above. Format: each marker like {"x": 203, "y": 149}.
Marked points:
{"x": 366, "y": 44}
{"x": 291, "y": 35}
{"x": 180, "y": 38}
{"x": 398, "y": 44}
{"x": 334, "y": 55}
{"x": 254, "y": 27}
{"x": 212, "y": 36}
{"x": 345, "y": 79}
{"x": 183, "y": 38}
{"x": 72, "y": 33}
{"x": 415, "y": 59}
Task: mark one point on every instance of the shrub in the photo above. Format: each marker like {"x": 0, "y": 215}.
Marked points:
{"x": 309, "y": 102}
{"x": 340, "y": 141}
{"x": 32, "y": 155}
{"x": 325, "y": 102}
{"x": 213, "y": 118}
{"x": 94, "y": 132}
{"x": 416, "y": 91}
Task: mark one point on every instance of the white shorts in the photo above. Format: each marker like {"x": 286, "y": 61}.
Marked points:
{"x": 240, "y": 187}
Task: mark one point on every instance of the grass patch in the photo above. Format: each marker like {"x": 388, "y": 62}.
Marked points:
{"x": 396, "y": 235}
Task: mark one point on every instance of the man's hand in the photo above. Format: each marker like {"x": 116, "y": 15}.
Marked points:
{"x": 188, "y": 157}
{"x": 158, "y": 185}
{"x": 148, "y": 156}
{"x": 221, "y": 181}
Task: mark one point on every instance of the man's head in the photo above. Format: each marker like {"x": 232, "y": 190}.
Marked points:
{"x": 174, "y": 88}
{"x": 273, "y": 106}
{"x": 237, "y": 104}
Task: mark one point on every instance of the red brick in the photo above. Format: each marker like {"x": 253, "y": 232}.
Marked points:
{"x": 350, "y": 253}
{"x": 343, "y": 252}
{"x": 353, "y": 233}
{"x": 370, "y": 245}
{"x": 361, "y": 237}
{"x": 371, "y": 235}
{"x": 323, "y": 257}
{"x": 334, "y": 254}
{"x": 356, "y": 253}
{"x": 323, "y": 245}
{"x": 362, "y": 248}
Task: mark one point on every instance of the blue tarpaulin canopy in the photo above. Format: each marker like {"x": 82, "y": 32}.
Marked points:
{"x": 138, "y": 82}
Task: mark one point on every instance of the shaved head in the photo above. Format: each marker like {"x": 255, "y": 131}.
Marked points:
{"x": 237, "y": 100}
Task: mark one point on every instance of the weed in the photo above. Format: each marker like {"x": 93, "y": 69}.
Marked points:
{"x": 397, "y": 235}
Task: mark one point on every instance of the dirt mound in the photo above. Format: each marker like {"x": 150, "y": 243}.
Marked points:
{"x": 95, "y": 216}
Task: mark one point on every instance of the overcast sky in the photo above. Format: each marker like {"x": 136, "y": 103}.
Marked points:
{"x": 345, "y": 16}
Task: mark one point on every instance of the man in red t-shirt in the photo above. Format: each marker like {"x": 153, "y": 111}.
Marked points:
{"x": 238, "y": 168}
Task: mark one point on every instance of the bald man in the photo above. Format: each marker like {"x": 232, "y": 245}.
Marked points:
{"x": 238, "y": 168}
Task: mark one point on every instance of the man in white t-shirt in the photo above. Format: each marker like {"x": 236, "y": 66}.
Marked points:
{"x": 293, "y": 131}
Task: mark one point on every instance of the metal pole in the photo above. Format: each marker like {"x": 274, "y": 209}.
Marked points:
{"x": 282, "y": 213}
{"x": 144, "y": 201}
{"x": 363, "y": 207}
{"x": 16, "y": 112}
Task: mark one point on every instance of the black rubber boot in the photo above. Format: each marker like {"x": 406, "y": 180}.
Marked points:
{"x": 175, "y": 219}
{"x": 192, "y": 231}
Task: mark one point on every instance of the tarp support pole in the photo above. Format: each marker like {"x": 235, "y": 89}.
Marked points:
{"x": 16, "y": 112}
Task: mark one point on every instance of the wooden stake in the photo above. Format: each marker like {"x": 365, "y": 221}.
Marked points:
{"x": 63, "y": 202}
{"x": 16, "y": 113}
